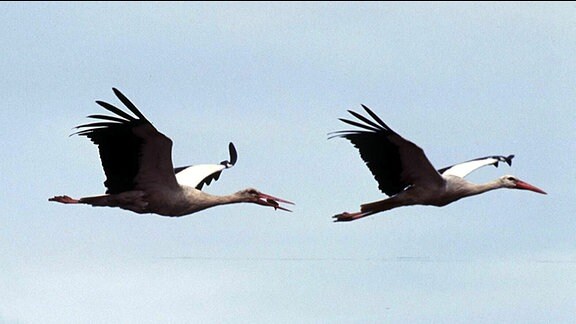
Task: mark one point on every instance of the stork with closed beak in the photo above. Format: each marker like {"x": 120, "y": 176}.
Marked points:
{"x": 404, "y": 173}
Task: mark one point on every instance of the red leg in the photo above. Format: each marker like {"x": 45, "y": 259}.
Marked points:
{"x": 348, "y": 217}
{"x": 64, "y": 200}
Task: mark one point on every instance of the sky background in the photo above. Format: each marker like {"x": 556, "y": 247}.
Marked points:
{"x": 462, "y": 80}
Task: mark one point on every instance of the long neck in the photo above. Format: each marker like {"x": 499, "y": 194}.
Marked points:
{"x": 225, "y": 200}
{"x": 475, "y": 189}
{"x": 197, "y": 200}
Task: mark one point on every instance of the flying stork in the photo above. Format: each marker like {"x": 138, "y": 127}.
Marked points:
{"x": 404, "y": 173}
{"x": 140, "y": 176}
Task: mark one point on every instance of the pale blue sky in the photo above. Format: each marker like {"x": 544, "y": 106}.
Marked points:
{"x": 462, "y": 80}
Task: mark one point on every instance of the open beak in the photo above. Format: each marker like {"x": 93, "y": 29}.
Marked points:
{"x": 526, "y": 186}
{"x": 271, "y": 201}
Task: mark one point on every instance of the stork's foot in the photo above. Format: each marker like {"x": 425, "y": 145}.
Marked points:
{"x": 64, "y": 199}
{"x": 348, "y": 217}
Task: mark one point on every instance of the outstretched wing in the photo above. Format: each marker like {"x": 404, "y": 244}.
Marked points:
{"x": 203, "y": 174}
{"x": 134, "y": 154}
{"x": 395, "y": 162}
{"x": 463, "y": 169}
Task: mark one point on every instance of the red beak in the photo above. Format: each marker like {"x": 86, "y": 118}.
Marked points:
{"x": 526, "y": 186}
{"x": 271, "y": 201}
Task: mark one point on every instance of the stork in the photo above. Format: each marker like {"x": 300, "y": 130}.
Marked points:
{"x": 404, "y": 173}
{"x": 140, "y": 176}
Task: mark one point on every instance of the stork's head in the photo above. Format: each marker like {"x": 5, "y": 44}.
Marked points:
{"x": 509, "y": 181}
{"x": 254, "y": 196}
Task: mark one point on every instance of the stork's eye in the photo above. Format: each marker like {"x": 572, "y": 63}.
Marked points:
{"x": 511, "y": 179}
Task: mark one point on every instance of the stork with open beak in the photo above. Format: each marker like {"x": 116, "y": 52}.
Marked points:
{"x": 140, "y": 176}
{"x": 404, "y": 173}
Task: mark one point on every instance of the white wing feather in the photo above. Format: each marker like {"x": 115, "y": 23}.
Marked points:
{"x": 463, "y": 169}
{"x": 192, "y": 176}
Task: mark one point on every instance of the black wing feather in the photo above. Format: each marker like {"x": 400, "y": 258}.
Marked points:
{"x": 377, "y": 151}
{"x": 118, "y": 146}
{"x": 357, "y": 124}
{"x": 215, "y": 176}
{"x": 498, "y": 158}
{"x": 366, "y": 120}
{"x": 128, "y": 104}
{"x": 377, "y": 119}
{"x": 395, "y": 162}
{"x": 115, "y": 110}
{"x": 380, "y": 157}
{"x": 104, "y": 117}
{"x": 233, "y": 155}
{"x": 208, "y": 180}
